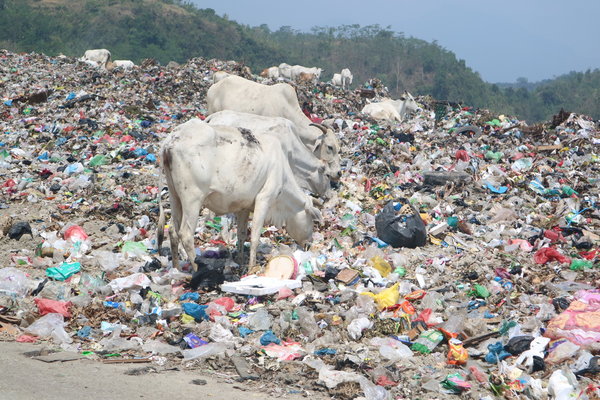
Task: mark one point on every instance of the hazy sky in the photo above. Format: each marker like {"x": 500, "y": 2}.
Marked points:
{"x": 502, "y": 40}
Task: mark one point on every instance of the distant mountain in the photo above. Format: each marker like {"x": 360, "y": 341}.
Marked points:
{"x": 176, "y": 30}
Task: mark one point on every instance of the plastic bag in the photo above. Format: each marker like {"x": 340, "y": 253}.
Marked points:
{"x": 260, "y": 320}
{"x": 50, "y": 325}
{"x": 357, "y": 326}
{"x": 47, "y": 306}
{"x": 207, "y": 350}
{"x": 14, "y": 282}
{"x": 401, "y": 230}
{"x": 63, "y": 271}
{"x": 134, "y": 281}
{"x": 547, "y": 254}
{"x": 387, "y": 297}
{"x": 580, "y": 322}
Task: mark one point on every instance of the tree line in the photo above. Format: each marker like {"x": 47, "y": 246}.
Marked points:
{"x": 176, "y": 30}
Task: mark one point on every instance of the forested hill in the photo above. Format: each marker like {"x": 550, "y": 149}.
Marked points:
{"x": 175, "y": 30}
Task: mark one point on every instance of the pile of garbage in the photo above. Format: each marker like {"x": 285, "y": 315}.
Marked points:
{"x": 459, "y": 254}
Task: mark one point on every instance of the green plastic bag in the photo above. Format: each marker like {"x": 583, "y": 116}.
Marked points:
{"x": 63, "y": 271}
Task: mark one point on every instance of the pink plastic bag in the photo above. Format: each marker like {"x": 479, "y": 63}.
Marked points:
{"x": 75, "y": 233}
{"x": 47, "y": 306}
{"x": 580, "y": 322}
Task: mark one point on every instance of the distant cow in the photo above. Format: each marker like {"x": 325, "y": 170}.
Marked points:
{"x": 285, "y": 71}
{"x": 336, "y": 80}
{"x": 230, "y": 171}
{"x": 279, "y": 100}
{"x": 343, "y": 79}
{"x": 393, "y": 110}
{"x": 306, "y": 77}
{"x": 346, "y": 78}
{"x": 309, "y": 171}
{"x": 270, "y": 73}
{"x": 99, "y": 56}
{"x": 298, "y": 69}
{"x": 125, "y": 64}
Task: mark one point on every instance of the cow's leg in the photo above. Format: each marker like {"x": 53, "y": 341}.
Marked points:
{"x": 242, "y": 233}
{"x": 189, "y": 219}
{"x": 261, "y": 208}
{"x": 175, "y": 226}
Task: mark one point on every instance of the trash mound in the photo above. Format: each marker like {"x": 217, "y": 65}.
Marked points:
{"x": 459, "y": 253}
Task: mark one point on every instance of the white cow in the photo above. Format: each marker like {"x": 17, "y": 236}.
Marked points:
{"x": 393, "y": 110}
{"x": 279, "y": 100}
{"x": 270, "y": 73}
{"x": 230, "y": 171}
{"x": 346, "y": 78}
{"x": 298, "y": 69}
{"x": 100, "y": 56}
{"x": 336, "y": 80}
{"x": 285, "y": 71}
{"x": 309, "y": 171}
{"x": 125, "y": 64}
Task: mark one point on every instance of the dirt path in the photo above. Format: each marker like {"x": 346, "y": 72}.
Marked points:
{"x": 24, "y": 378}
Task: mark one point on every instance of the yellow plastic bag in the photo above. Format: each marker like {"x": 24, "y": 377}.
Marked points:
{"x": 381, "y": 265}
{"x": 387, "y": 297}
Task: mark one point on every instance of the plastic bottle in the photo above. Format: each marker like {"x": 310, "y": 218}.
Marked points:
{"x": 427, "y": 341}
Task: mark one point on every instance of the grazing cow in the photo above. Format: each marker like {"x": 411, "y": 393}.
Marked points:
{"x": 393, "y": 110}
{"x": 306, "y": 77}
{"x": 125, "y": 64}
{"x": 347, "y": 77}
{"x": 285, "y": 71}
{"x": 343, "y": 79}
{"x": 298, "y": 69}
{"x": 309, "y": 171}
{"x": 220, "y": 75}
{"x": 271, "y": 73}
{"x": 279, "y": 100}
{"x": 100, "y": 56}
{"x": 336, "y": 80}
{"x": 230, "y": 171}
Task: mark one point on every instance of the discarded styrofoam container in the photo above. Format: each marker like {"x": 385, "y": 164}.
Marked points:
{"x": 259, "y": 285}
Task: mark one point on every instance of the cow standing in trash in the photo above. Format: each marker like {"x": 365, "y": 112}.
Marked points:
{"x": 392, "y": 110}
{"x": 343, "y": 79}
{"x": 311, "y": 173}
{"x": 279, "y": 100}
{"x": 100, "y": 57}
{"x": 229, "y": 170}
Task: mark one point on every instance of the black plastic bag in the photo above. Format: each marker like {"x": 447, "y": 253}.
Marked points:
{"x": 518, "y": 344}
{"x": 400, "y": 230}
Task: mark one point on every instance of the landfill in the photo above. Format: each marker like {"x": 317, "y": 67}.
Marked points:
{"x": 459, "y": 254}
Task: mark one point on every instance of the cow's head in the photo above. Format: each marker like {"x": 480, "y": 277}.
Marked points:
{"x": 300, "y": 225}
{"x": 327, "y": 149}
{"x": 410, "y": 106}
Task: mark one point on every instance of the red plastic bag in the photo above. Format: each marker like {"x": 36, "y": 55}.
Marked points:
{"x": 462, "y": 155}
{"x": 47, "y": 306}
{"x": 75, "y": 233}
{"x": 547, "y": 254}
{"x": 226, "y": 302}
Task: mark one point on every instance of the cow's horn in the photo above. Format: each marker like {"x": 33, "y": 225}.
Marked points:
{"x": 321, "y": 127}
